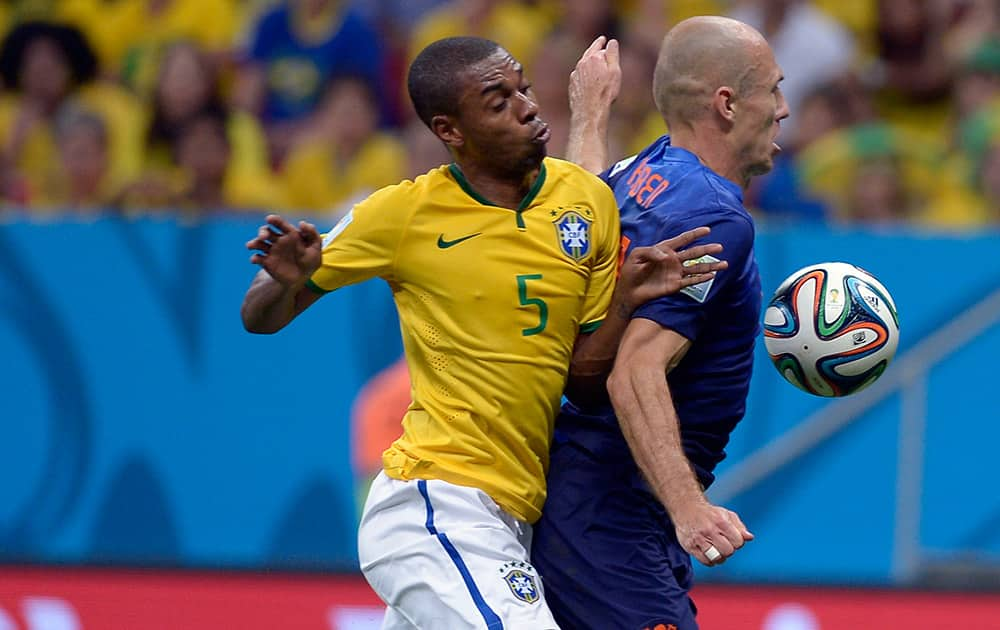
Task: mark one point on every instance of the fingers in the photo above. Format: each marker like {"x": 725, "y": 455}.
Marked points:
{"x": 696, "y": 252}
{"x": 263, "y": 241}
{"x": 720, "y": 546}
{"x": 595, "y": 46}
{"x": 698, "y": 278}
{"x": 738, "y": 524}
{"x": 611, "y": 52}
{"x": 654, "y": 253}
{"x": 713, "y": 554}
{"x": 275, "y": 230}
{"x": 685, "y": 238}
{"x": 309, "y": 232}
{"x": 710, "y": 554}
{"x": 708, "y": 267}
{"x": 283, "y": 226}
{"x": 719, "y": 534}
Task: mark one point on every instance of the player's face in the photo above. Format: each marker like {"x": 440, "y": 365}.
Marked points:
{"x": 498, "y": 117}
{"x": 764, "y": 107}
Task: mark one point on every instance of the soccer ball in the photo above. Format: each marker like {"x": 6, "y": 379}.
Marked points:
{"x": 831, "y": 329}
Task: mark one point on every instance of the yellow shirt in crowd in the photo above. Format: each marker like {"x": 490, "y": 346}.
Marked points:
{"x": 314, "y": 181}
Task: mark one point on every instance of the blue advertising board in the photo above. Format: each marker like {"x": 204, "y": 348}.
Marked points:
{"x": 142, "y": 425}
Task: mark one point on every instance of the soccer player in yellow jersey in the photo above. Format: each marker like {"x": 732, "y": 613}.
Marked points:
{"x": 503, "y": 266}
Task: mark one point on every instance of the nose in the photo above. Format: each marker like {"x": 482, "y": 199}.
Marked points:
{"x": 528, "y": 109}
{"x": 783, "y": 111}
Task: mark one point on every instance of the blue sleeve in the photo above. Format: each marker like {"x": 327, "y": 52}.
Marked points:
{"x": 685, "y": 312}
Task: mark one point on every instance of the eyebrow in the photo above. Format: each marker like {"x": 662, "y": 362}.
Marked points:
{"x": 498, "y": 85}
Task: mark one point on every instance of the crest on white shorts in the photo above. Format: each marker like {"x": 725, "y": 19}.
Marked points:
{"x": 522, "y": 584}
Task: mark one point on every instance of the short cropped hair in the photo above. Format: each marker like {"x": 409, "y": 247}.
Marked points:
{"x": 432, "y": 80}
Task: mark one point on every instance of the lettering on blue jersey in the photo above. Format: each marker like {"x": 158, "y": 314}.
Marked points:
{"x": 699, "y": 292}
{"x": 337, "y": 229}
{"x": 573, "y": 232}
{"x": 644, "y": 185}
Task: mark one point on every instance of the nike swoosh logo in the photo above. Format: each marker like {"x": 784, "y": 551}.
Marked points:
{"x": 443, "y": 244}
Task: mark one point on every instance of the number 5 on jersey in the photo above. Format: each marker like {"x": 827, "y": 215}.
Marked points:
{"x": 543, "y": 308}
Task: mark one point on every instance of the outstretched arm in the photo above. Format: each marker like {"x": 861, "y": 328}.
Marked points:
{"x": 646, "y": 413}
{"x": 648, "y": 273}
{"x": 593, "y": 87}
{"x": 288, "y": 257}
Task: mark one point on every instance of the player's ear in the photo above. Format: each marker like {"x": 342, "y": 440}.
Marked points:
{"x": 444, "y": 128}
{"x": 724, "y": 102}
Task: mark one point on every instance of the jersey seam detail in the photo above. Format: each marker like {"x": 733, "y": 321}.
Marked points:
{"x": 399, "y": 244}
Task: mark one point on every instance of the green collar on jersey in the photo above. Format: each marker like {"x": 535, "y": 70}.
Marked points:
{"x": 464, "y": 184}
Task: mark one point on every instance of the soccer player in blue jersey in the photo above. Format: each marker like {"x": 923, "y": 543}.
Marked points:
{"x": 626, "y": 506}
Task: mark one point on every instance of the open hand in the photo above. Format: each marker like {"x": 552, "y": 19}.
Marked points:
{"x": 658, "y": 270}
{"x": 291, "y": 255}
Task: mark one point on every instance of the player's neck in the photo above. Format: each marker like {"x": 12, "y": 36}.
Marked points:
{"x": 506, "y": 191}
{"x": 714, "y": 152}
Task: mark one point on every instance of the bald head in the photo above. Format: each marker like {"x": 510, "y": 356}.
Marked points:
{"x": 698, "y": 56}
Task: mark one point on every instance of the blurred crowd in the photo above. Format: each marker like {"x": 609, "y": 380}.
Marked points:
{"x": 202, "y": 105}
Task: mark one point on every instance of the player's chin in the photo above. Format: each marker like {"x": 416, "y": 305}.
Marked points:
{"x": 533, "y": 158}
{"x": 763, "y": 167}
{"x": 540, "y": 146}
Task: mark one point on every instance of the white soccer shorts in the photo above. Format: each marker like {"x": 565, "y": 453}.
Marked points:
{"x": 446, "y": 557}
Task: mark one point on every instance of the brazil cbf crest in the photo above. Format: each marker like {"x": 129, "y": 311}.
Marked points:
{"x": 522, "y": 581}
{"x": 573, "y": 232}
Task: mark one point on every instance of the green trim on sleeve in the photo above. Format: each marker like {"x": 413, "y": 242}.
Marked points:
{"x": 315, "y": 288}
{"x": 590, "y": 327}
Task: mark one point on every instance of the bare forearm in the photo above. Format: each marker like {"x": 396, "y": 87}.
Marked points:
{"x": 649, "y": 423}
{"x": 588, "y": 141}
{"x": 268, "y": 305}
{"x": 594, "y": 356}
{"x": 593, "y": 86}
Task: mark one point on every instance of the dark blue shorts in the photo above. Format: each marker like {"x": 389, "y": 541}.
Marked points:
{"x": 605, "y": 548}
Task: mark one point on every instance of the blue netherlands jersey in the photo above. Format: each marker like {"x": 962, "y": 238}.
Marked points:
{"x": 662, "y": 192}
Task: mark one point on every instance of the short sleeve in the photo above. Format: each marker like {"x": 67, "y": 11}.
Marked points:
{"x": 604, "y": 269}
{"x": 363, "y": 244}
{"x": 685, "y": 312}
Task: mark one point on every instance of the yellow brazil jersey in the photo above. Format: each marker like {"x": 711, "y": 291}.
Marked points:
{"x": 490, "y": 303}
